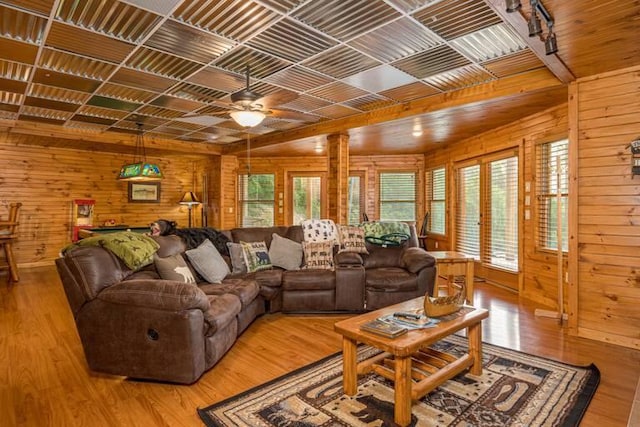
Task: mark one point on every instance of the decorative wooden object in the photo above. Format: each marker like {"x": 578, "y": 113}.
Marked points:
{"x": 441, "y": 306}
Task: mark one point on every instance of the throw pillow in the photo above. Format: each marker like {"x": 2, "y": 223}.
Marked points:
{"x": 174, "y": 267}
{"x": 208, "y": 262}
{"x": 319, "y": 230}
{"x": 285, "y": 253}
{"x": 256, "y": 256}
{"x": 134, "y": 249}
{"x": 352, "y": 239}
{"x": 318, "y": 255}
{"x": 237, "y": 258}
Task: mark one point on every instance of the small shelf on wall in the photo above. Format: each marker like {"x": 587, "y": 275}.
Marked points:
{"x": 635, "y": 157}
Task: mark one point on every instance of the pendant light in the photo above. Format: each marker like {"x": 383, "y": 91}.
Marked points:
{"x": 140, "y": 169}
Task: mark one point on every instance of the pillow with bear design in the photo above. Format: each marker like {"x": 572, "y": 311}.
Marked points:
{"x": 318, "y": 255}
{"x": 256, "y": 256}
{"x": 319, "y": 230}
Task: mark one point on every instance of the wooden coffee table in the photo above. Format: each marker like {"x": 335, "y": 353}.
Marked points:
{"x": 402, "y": 354}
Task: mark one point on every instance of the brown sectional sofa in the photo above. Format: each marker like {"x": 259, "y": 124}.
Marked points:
{"x": 138, "y": 325}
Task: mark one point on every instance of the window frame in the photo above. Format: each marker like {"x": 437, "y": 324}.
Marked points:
{"x": 242, "y": 204}
{"x": 323, "y": 191}
{"x": 362, "y": 199}
{"x": 431, "y": 200}
{"x": 379, "y": 193}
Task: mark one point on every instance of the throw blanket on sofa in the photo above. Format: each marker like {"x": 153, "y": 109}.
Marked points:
{"x": 386, "y": 233}
{"x": 134, "y": 249}
{"x": 193, "y": 237}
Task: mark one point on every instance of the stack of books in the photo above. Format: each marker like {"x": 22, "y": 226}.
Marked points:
{"x": 396, "y": 324}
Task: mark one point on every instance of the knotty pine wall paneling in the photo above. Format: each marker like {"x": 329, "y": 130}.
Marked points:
{"x": 47, "y": 179}
{"x": 607, "y": 265}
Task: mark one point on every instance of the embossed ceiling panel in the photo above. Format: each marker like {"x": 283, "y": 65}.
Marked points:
{"x": 164, "y": 62}
{"x": 234, "y": 19}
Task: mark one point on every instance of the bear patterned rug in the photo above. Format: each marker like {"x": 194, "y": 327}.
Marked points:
{"x": 515, "y": 389}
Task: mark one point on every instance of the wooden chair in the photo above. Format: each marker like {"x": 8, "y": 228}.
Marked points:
{"x": 9, "y": 232}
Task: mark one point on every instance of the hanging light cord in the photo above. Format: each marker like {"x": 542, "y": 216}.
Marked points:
{"x": 248, "y": 154}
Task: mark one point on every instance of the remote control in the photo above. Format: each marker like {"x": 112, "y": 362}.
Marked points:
{"x": 412, "y": 316}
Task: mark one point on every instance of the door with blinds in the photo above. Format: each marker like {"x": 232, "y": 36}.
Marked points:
{"x": 487, "y": 218}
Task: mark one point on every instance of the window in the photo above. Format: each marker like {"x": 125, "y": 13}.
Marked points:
{"x": 256, "y": 200}
{"x": 398, "y": 196}
{"x": 468, "y": 211}
{"x": 436, "y": 200}
{"x": 307, "y": 196}
{"x": 355, "y": 198}
{"x": 552, "y": 190}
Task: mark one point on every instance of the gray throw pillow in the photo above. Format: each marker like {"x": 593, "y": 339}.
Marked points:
{"x": 237, "y": 258}
{"x": 285, "y": 253}
{"x": 208, "y": 262}
{"x": 173, "y": 267}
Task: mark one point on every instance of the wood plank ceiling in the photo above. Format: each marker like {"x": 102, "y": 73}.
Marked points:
{"x": 380, "y": 70}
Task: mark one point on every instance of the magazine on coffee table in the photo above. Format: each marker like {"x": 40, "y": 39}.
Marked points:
{"x": 384, "y": 328}
{"x": 410, "y": 322}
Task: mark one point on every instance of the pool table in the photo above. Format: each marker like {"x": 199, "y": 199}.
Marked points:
{"x": 94, "y": 231}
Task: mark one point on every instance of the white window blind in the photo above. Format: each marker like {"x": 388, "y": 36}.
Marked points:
{"x": 501, "y": 218}
{"x": 355, "y": 199}
{"x": 256, "y": 200}
{"x": 552, "y": 186}
{"x": 397, "y": 196}
{"x": 307, "y": 198}
{"x": 436, "y": 200}
{"x": 468, "y": 211}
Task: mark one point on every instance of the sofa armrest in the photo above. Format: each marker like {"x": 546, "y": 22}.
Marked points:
{"x": 416, "y": 259}
{"x": 348, "y": 259}
{"x": 157, "y": 294}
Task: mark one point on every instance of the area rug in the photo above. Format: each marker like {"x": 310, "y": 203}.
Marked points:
{"x": 515, "y": 389}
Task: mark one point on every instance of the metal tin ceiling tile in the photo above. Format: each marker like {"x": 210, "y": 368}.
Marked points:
{"x": 46, "y": 113}
{"x": 349, "y": 18}
{"x": 105, "y": 113}
{"x": 338, "y": 92}
{"x": 11, "y": 98}
{"x": 184, "y": 125}
{"x": 396, "y": 40}
{"x": 190, "y": 42}
{"x": 517, "y": 63}
{"x": 489, "y": 43}
{"x": 161, "y": 7}
{"x": 17, "y": 51}
{"x": 460, "y": 78}
{"x": 113, "y": 104}
{"x": 141, "y": 80}
{"x": 21, "y": 26}
{"x": 410, "y": 5}
{"x": 57, "y": 94}
{"x": 155, "y": 62}
{"x": 336, "y": 111}
{"x": 306, "y": 103}
{"x": 196, "y": 93}
{"x": 166, "y": 131}
{"x": 112, "y": 18}
{"x": 291, "y": 40}
{"x": 125, "y": 93}
{"x": 341, "y": 61}
{"x": 8, "y": 111}
{"x": 147, "y": 121}
{"x": 176, "y": 103}
{"x": 89, "y": 127}
{"x": 281, "y": 124}
{"x": 410, "y": 92}
{"x": 370, "y": 102}
{"x": 201, "y": 120}
{"x": 40, "y": 6}
{"x": 84, "y": 42}
{"x": 14, "y": 86}
{"x": 379, "y": 78}
{"x": 93, "y": 119}
{"x": 40, "y": 119}
{"x": 298, "y": 78}
{"x": 262, "y": 64}
{"x": 454, "y": 18}
{"x": 50, "y": 104}
{"x": 219, "y": 79}
{"x": 234, "y": 19}
{"x": 67, "y": 81}
{"x": 159, "y": 112}
{"x": 74, "y": 64}
{"x": 15, "y": 70}
{"x": 283, "y": 6}
{"x": 432, "y": 62}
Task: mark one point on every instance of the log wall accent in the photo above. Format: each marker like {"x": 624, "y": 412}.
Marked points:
{"x": 338, "y": 159}
{"x": 607, "y": 263}
{"x": 47, "y": 179}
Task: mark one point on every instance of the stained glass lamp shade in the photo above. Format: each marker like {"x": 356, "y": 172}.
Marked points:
{"x": 140, "y": 169}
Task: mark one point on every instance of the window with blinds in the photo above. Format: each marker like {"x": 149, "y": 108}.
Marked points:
{"x": 436, "y": 200}
{"x": 501, "y": 216}
{"x": 355, "y": 199}
{"x": 552, "y": 191}
{"x": 468, "y": 211}
{"x": 307, "y": 198}
{"x": 256, "y": 200}
{"x": 397, "y": 199}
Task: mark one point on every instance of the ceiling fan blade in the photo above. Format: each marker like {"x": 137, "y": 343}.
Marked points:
{"x": 277, "y": 98}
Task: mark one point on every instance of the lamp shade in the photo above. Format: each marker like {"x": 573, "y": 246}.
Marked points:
{"x": 140, "y": 171}
{"x": 247, "y": 118}
{"x": 189, "y": 199}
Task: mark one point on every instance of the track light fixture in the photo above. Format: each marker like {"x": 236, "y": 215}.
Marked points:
{"x": 535, "y": 26}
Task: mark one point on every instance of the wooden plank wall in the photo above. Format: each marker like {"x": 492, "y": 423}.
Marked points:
{"x": 47, "y": 179}
{"x": 538, "y": 277}
{"x": 608, "y": 231}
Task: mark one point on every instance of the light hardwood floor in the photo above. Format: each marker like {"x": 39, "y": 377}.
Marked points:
{"x": 44, "y": 379}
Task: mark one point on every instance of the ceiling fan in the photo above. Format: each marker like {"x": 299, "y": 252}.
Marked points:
{"x": 248, "y": 109}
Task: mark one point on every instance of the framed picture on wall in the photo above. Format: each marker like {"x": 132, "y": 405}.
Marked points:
{"x": 144, "y": 192}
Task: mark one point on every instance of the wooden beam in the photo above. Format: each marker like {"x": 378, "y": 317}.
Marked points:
{"x": 519, "y": 23}
{"x": 532, "y": 81}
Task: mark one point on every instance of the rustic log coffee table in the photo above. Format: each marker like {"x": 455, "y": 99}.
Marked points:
{"x": 407, "y": 359}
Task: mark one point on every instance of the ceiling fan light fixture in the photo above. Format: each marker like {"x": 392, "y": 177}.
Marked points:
{"x": 247, "y": 118}
{"x": 513, "y": 5}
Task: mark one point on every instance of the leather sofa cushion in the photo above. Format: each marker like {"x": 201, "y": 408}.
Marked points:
{"x": 223, "y": 310}
{"x": 308, "y": 280}
{"x": 271, "y": 278}
{"x": 169, "y": 245}
{"x": 390, "y": 279}
{"x": 383, "y": 257}
{"x": 95, "y": 268}
{"x": 264, "y": 234}
{"x": 245, "y": 290}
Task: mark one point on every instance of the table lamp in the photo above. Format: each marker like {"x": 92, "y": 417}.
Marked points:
{"x": 190, "y": 200}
